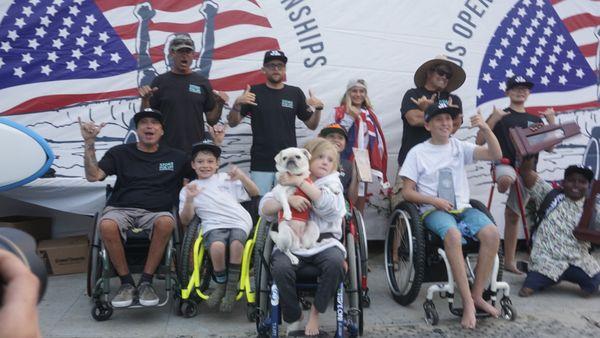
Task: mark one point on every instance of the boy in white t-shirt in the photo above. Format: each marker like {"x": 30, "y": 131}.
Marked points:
{"x": 215, "y": 198}
{"x": 434, "y": 176}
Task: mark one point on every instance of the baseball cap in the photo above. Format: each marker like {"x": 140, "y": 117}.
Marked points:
{"x": 356, "y": 83}
{"x": 275, "y": 55}
{"x": 181, "y": 41}
{"x": 148, "y": 112}
{"x": 440, "y": 107}
{"x": 518, "y": 81}
{"x": 208, "y": 145}
{"x": 334, "y": 128}
{"x": 585, "y": 171}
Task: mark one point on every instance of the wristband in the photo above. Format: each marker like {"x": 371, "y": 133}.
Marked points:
{"x": 301, "y": 183}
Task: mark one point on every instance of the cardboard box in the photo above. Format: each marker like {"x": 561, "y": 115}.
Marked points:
{"x": 38, "y": 227}
{"x": 65, "y": 255}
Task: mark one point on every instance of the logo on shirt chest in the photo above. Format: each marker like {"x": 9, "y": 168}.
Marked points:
{"x": 166, "y": 166}
{"x": 195, "y": 89}
{"x": 287, "y": 104}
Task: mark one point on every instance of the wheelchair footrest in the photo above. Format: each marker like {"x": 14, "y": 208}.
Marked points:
{"x": 458, "y": 311}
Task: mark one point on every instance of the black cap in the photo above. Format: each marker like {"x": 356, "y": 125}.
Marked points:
{"x": 148, "y": 112}
{"x": 585, "y": 171}
{"x": 440, "y": 107}
{"x": 181, "y": 41}
{"x": 334, "y": 128}
{"x": 274, "y": 55}
{"x": 518, "y": 81}
{"x": 208, "y": 145}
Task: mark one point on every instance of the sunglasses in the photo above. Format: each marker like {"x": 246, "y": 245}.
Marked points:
{"x": 443, "y": 72}
{"x": 275, "y": 66}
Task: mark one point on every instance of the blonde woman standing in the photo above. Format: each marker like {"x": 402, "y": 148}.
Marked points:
{"x": 355, "y": 113}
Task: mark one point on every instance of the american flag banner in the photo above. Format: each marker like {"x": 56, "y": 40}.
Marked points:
{"x": 57, "y": 53}
{"x": 554, "y": 43}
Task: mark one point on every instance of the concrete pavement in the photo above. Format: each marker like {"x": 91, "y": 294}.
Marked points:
{"x": 558, "y": 312}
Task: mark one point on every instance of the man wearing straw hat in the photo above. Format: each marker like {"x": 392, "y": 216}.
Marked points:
{"x": 435, "y": 80}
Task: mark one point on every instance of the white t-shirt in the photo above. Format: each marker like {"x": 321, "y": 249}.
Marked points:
{"x": 424, "y": 161}
{"x": 218, "y": 205}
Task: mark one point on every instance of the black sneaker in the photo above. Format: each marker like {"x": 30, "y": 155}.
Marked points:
{"x": 146, "y": 294}
{"x": 124, "y": 296}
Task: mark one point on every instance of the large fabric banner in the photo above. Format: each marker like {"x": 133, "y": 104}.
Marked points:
{"x": 65, "y": 59}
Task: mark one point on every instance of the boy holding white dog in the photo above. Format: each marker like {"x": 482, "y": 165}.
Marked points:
{"x": 215, "y": 198}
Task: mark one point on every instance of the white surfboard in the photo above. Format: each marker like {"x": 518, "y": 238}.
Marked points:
{"x": 25, "y": 155}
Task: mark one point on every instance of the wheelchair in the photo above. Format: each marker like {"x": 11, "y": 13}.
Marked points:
{"x": 422, "y": 259}
{"x": 349, "y": 317}
{"x": 100, "y": 270}
{"x": 195, "y": 272}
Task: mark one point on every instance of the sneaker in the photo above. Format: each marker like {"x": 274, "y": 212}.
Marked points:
{"x": 147, "y": 295}
{"x": 124, "y": 296}
{"x": 215, "y": 297}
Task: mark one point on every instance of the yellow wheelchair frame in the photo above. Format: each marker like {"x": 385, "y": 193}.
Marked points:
{"x": 188, "y": 306}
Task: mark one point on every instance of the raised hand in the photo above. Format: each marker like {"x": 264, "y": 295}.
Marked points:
{"x": 192, "y": 190}
{"x": 146, "y": 92}
{"x": 313, "y": 101}
{"x": 221, "y": 96}
{"x": 235, "y": 173}
{"x": 498, "y": 114}
{"x": 550, "y": 115}
{"x": 478, "y": 121}
{"x": 217, "y": 132}
{"x": 89, "y": 130}
{"x": 247, "y": 97}
{"x": 423, "y": 102}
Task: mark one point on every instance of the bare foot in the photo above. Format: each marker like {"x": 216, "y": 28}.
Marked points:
{"x": 481, "y": 304}
{"x": 468, "y": 319}
{"x": 512, "y": 268}
{"x": 312, "y": 327}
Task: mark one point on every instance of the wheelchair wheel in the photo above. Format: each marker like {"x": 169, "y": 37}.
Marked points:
{"x": 405, "y": 269}
{"x": 363, "y": 248}
{"x": 261, "y": 257}
{"x": 355, "y": 312}
{"x": 94, "y": 269}
{"x": 101, "y": 311}
{"x": 185, "y": 265}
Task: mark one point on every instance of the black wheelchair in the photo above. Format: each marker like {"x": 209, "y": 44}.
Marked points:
{"x": 100, "y": 270}
{"x": 415, "y": 255}
{"x": 351, "y": 294}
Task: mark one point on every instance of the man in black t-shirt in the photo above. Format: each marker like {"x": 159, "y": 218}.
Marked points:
{"x": 273, "y": 107}
{"x": 149, "y": 177}
{"x": 518, "y": 89}
{"x": 183, "y": 96}
{"x": 435, "y": 80}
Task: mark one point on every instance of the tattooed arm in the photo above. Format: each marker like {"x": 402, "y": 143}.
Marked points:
{"x": 89, "y": 131}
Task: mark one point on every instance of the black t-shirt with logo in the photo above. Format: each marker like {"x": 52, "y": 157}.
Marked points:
{"x": 148, "y": 181}
{"x": 411, "y": 135}
{"x": 273, "y": 122}
{"x": 512, "y": 120}
{"x": 182, "y": 99}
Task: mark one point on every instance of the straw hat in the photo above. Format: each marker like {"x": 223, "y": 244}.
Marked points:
{"x": 458, "y": 74}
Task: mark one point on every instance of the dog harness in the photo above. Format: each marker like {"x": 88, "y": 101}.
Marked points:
{"x": 298, "y": 215}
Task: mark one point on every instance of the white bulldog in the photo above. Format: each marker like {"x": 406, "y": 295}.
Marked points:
{"x": 293, "y": 233}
